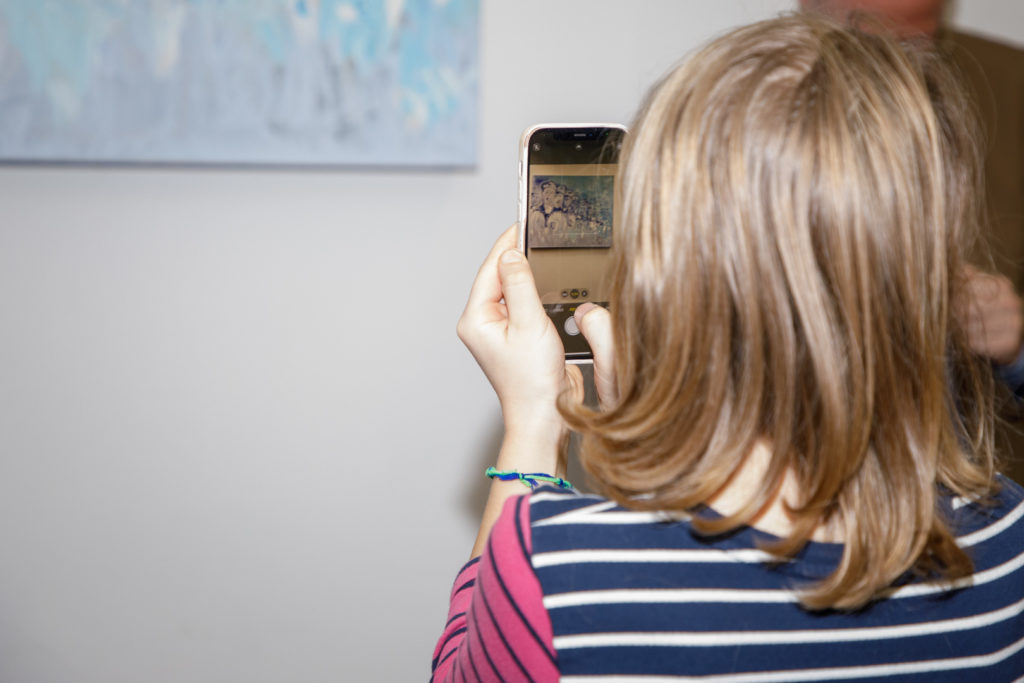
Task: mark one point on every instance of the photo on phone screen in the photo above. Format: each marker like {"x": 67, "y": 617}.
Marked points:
{"x": 570, "y": 211}
{"x": 567, "y": 194}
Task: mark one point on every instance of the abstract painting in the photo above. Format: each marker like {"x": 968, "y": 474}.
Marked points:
{"x": 307, "y": 82}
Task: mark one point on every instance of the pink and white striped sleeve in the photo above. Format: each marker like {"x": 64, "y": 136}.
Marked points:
{"x": 497, "y": 626}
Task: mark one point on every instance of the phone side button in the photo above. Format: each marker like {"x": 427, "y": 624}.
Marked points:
{"x": 571, "y": 328}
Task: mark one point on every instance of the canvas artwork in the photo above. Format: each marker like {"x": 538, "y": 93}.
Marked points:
{"x": 570, "y": 211}
{"x": 308, "y": 82}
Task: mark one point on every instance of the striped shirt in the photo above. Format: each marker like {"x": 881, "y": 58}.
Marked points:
{"x": 574, "y": 588}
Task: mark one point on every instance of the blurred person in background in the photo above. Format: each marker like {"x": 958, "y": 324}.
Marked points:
{"x": 993, "y": 73}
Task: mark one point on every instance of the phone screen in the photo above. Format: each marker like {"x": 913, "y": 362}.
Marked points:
{"x": 570, "y": 179}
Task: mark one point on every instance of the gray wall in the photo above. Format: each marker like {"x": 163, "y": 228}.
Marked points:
{"x": 239, "y": 440}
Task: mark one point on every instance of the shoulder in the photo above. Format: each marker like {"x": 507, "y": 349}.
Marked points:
{"x": 984, "y": 48}
{"x": 1004, "y": 508}
{"x": 992, "y": 531}
{"x": 982, "y": 60}
{"x": 551, "y": 507}
{"x": 548, "y": 501}
{"x": 569, "y": 527}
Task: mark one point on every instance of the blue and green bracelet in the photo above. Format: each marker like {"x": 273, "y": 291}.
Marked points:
{"x": 532, "y": 480}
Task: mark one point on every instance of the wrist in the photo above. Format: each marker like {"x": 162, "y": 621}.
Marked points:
{"x": 533, "y": 446}
{"x": 1012, "y": 372}
{"x": 536, "y": 420}
{"x": 1012, "y": 360}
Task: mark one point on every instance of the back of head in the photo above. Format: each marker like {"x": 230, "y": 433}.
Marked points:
{"x": 796, "y": 199}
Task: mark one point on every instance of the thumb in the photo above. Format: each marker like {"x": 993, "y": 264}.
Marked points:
{"x": 519, "y": 291}
{"x": 596, "y": 325}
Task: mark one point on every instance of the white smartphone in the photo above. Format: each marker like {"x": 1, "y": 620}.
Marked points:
{"x": 567, "y": 186}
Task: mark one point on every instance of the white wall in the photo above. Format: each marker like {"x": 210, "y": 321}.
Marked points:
{"x": 239, "y": 440}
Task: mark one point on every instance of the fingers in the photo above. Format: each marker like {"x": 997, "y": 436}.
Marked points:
{"x": 525, "y": 310}
{"x": 989, "y": 288}
{"x": 485, "y": 294}
{"x": 596, "y": 325}
{"x": 487, "y": 286}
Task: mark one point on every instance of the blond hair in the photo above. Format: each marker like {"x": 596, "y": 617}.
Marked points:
{"x": 795, "y": 203}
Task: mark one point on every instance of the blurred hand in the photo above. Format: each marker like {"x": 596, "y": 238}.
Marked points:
{"x": 993, "y": 316}
{"x": 515, "y": 343}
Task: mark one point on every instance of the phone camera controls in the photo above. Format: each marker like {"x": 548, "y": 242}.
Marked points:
{"x": 571, "y": 328}
{"x": 584, "y": 293}
{"x": 536, "y": 147}
{"x": 565, "y": 293}
{"x": 575, "y": 293}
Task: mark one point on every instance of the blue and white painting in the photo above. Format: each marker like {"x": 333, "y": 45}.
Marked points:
{"x": 310, "y": 82}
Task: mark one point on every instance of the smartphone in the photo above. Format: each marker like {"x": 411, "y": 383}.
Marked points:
{"x": 567, "y": 186}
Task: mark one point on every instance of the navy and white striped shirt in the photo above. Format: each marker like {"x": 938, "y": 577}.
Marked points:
{"x": 631, "y": 595}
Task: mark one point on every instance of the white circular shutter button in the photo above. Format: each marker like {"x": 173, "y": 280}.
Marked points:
{"x": 570, "y": 326}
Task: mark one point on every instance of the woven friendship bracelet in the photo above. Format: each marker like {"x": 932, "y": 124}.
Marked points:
{"x": 532, "y": 479}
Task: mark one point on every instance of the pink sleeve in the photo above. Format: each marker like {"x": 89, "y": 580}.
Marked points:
{"x": 497, "y": 626}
